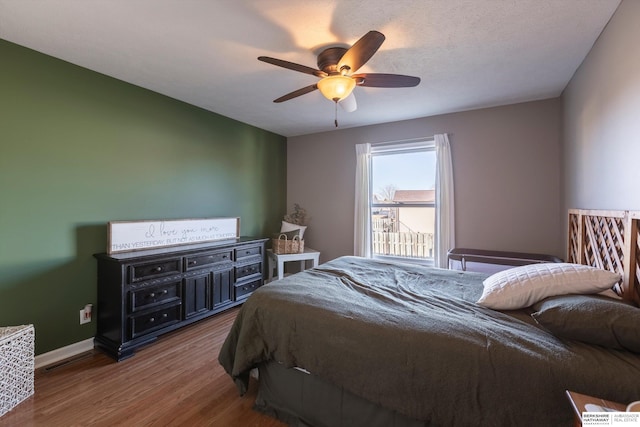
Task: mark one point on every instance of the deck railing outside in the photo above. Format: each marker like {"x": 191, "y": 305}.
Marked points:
{"x": 413, "y": 245}
{"x": 388, "y": 240}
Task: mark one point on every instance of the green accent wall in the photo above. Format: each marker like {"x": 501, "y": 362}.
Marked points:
{"x": 79, "y": 149}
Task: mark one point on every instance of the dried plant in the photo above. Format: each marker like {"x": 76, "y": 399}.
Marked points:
{"x": 298, "y": 216}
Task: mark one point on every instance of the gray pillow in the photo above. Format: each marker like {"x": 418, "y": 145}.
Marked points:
{"x": 593, "y": 319}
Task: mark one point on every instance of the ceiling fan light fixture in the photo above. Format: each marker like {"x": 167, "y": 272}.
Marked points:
{"x": 335, "y": 65}
{"x": 336, "y": 87}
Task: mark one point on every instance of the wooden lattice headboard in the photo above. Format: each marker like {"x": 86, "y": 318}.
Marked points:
{"x": 608, "y": 240}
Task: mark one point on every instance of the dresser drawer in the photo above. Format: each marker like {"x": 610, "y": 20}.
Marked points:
{"x": 244, "y": 290}
{"x": 154, "y": 295}
{"x": 200, "y": 260}
{"x": 247, "y": 252}
{"x": 149, "y": 322}
{"x": 248, "y": 270}
{"x": 140, "y": 272}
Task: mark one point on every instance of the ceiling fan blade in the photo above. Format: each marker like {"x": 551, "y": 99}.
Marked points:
{"x": 297, "y": 93}
{"x": 292, "y": 66}
{"x": 361, "y": 51}
{"x": 349, "y": 104}
{"x": 385, "y": 80}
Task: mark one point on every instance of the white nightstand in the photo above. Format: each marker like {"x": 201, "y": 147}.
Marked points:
{"x": 278, "y": 260}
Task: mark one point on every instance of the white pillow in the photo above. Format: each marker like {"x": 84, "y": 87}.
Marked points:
{"x": 287, "y": 226}
{"x": 523, "y": 286}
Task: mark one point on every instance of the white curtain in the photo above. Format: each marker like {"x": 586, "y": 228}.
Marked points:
{"x": 362, "y": 226}
{"x": 445, "y": 227}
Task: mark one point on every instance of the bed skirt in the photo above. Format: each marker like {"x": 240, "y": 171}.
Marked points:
{"x": 302, "y": 400}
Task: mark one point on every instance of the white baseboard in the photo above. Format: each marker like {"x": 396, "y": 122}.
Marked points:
{"x": 63, "y": 353}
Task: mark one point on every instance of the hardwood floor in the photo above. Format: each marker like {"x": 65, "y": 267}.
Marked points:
{"x": 176, "y": 381}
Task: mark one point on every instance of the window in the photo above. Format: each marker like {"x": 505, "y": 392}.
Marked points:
{"x": 442, "y": 203}
{"x": 402, "y": 200}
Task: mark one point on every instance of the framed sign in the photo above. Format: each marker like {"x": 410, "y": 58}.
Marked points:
{"x": 127, "y": 236}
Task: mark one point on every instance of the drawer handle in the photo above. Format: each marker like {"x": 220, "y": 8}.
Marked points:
{"x": 193, "y": 262}
{"x": 224, "y": 256}
{"x": 153, "y": 319}
{"x": 247, "y": 252}
{"x": 158, "y": 269}
{"x": 153, "y": 294}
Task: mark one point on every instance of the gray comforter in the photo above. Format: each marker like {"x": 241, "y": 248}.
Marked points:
{"x": 412, "y": 339}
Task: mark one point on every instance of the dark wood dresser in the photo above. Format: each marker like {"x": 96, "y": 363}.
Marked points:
{"x": 144, "y": 294}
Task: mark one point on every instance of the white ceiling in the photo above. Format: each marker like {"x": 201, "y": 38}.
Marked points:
{"x": 468, "y": 53}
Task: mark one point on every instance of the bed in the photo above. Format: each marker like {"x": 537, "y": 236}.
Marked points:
{"x": 363, "y": 342}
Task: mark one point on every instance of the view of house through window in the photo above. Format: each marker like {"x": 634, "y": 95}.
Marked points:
{"x": 403, "y": 201}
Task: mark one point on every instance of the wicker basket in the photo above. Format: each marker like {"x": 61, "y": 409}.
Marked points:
{"x": 283, "y": 245}
{"x": 16, "y": 365}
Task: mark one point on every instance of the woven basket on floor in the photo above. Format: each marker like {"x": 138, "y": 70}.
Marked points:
{"x": 16, "y": 365}
{"x": 283, "y": 245}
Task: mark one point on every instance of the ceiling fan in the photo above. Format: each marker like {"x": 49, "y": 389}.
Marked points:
{"x": 335, "y": 68}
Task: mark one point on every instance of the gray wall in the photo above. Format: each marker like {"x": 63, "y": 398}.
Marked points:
{"x": 506, "y": 163}
{"x": 601, "y": 118}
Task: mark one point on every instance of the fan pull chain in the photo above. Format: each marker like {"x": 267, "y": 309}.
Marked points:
{"x": 336, "y": 112}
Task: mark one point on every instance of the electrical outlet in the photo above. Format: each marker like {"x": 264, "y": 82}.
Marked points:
{"x": 85, "y": 314}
